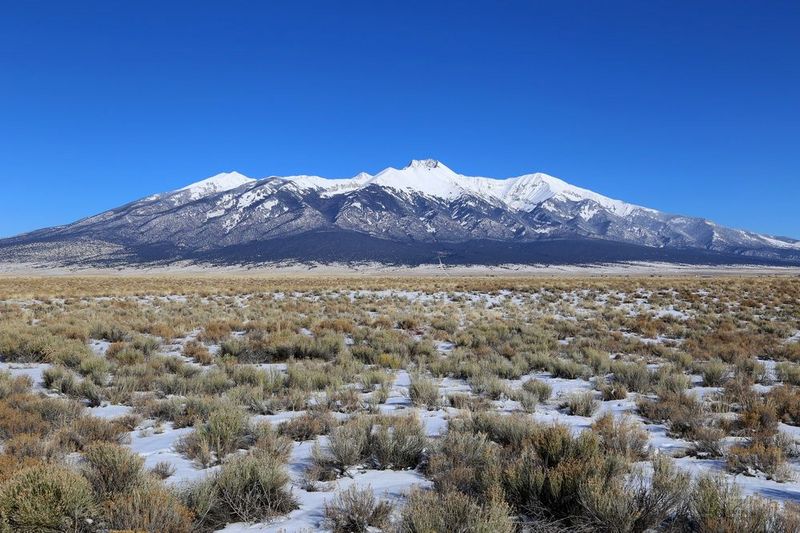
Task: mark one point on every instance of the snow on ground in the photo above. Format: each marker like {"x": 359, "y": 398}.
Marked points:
{"x": 110, "y": 411}
{"x": 33, "y": 370}
{"x": 158, "y": 445}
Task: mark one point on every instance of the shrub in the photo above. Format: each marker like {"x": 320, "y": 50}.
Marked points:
{"x": 267, "y": 440}
{"x": 788, "y": 373}
{"x": 248, "y": 488}
{"x": 787, "y": 403}
{"x": 539, "y": 388}
{"x": 13, "y": 385}
{"x": 308, "y": 425}
{"x": 634, "y": 376}
{"x": 623, "y": 436}
{"x": 509, "y": 430}
{"x": 714, "y": 373}
{"x": 398, "y": 442}
{"x": 96, "y": 369}
{"x": 9, "y": 465}
{"x": 708, "y": 442}
{"x": 760, "y": 419}
{"x": 427, "y": 511}
{"x": 545, "y": 477}
{"x": 355, "y": 510}
{"x": 682, "y": 412}
{"x": 347, "y": 445}
{"x": 47, "y": 498}
{"x": 59, "y": 379}
{"x": 758, "y": 457}
{"x": 198, "y": 352}
{"x": 567, "y": 368}
{"x": 226, "y": 431}
{"x": 87, "y": 430}
{"x": 215, "y": 330}
{"x": 492, "y": 387}
{"x": 717, "y": 505}
{"x": 671, "y": 382}
{"x": 163, "y": 470}
{"x": 111, "y": 469}
{"x": 108, "y": 332}
{"x": 580, "y": 403}
{"x": 739, "y": 392}
{"x": 634, "y": 504}
{"x": 372, "y": 378}
{"x": 147, "y": 507}
{"x": 465, "y": 461}
{"x": 424, "y": 392}
{"x": 527, "y": 400}
{"x": 613, "y": 391}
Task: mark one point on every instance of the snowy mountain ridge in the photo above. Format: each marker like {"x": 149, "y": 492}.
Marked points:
{"x": 433, "y": 178}
{"x": 420, "y": 213}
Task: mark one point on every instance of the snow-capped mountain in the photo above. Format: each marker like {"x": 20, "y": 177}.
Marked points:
{"x": 421, "y": 213}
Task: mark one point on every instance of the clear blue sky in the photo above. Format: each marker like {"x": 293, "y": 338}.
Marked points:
{"x": 688, "y": 107}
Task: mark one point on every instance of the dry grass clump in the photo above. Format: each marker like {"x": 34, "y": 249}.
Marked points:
{"x": 355, "y": 511}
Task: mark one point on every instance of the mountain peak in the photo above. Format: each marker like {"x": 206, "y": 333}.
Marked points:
{"x": 421, "y": 210}
{"x": 424, "y": 163}
{"x": 224, "y": 181}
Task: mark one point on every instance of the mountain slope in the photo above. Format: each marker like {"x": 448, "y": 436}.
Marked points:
{"x": 417, "y": 214}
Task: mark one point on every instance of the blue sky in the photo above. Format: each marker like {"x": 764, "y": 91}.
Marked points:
{"x": 688, "y": 107}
